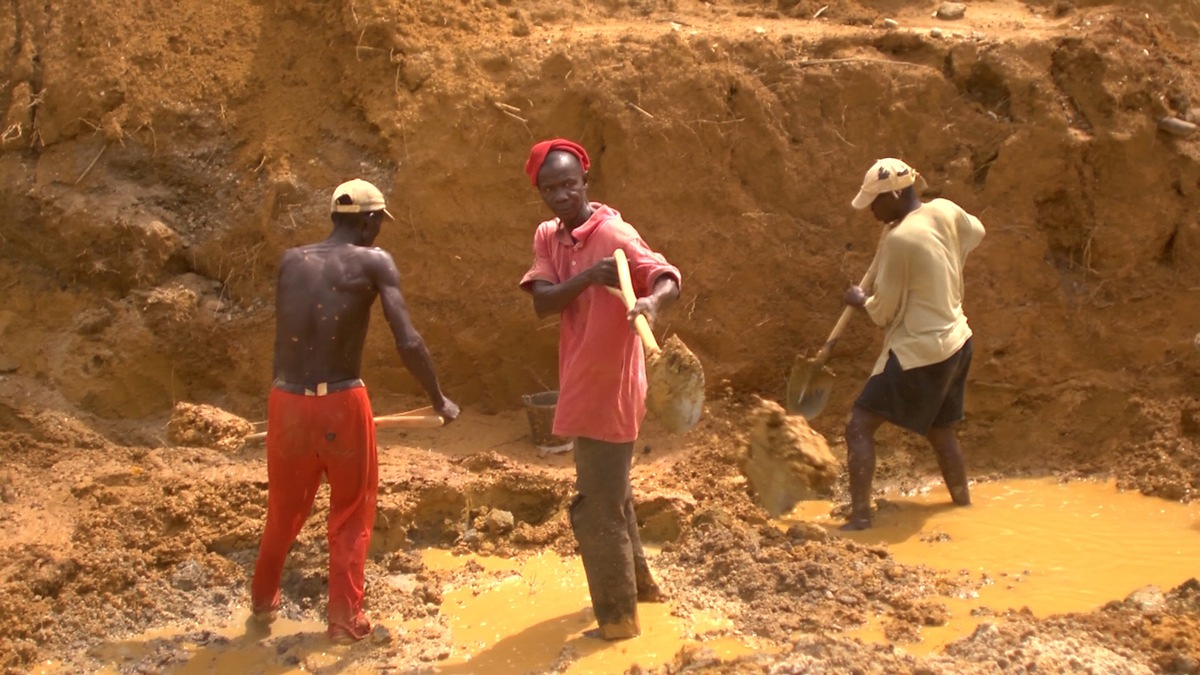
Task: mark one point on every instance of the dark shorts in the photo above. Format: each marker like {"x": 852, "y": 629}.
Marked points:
{"x": 920, "y": 398}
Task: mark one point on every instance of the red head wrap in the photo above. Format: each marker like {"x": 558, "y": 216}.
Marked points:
{"x": 537, "y": 155}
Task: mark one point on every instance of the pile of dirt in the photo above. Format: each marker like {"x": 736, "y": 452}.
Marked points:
{"x": 207, "y": 426}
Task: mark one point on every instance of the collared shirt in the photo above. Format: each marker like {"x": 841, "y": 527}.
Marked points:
{"x": 601, "y": 368}
{"x": 919, "y": 287}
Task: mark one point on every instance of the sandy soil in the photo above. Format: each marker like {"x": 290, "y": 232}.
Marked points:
{"x": 156, "y": 159}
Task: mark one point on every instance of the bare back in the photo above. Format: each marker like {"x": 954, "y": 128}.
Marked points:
{"x": 322, "y": 310}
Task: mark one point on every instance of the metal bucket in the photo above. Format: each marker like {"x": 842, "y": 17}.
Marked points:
{"x": 540, "y": 410}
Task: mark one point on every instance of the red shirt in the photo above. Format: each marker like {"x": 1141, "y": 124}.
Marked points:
{"x": 601, "y": 368}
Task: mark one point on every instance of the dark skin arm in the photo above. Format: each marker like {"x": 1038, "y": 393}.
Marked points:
{"x": 409, "y": 343}
{"x": 550, "y": 299}
{"x": 665, "y": 293}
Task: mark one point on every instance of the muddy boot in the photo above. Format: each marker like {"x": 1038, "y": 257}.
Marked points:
{"x": 862, "y": 472}
{"x": 624, "y": 628}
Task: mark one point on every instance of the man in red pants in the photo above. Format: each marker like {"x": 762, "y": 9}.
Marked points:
{"x": 319, "y": 417}
{"x": 601, "y": 371}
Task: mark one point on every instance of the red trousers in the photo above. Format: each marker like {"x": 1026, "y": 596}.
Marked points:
{"x": 309, "y": 437}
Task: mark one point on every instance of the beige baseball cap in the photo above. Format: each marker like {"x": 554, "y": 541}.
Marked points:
{"x": 363, "y": 198}
{"x": 886, "y": 175}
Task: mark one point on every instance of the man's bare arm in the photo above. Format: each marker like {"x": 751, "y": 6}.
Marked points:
{"x": 550, "y": 299}
{"x": 409, "y": 343}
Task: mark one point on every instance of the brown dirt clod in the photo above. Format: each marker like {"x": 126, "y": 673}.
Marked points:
{"x": 786, "y": 460}
{"x": 675, "y": 393}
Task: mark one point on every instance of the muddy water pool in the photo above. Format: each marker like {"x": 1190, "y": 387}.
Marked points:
{"x": 1031, "y": 543}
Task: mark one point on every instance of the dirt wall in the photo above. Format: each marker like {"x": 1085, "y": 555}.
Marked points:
{"x": 161, "y": 160}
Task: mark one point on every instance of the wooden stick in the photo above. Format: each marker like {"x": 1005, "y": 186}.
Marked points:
{"x": 89, "y": 166}
{"x": 409, "y": 420}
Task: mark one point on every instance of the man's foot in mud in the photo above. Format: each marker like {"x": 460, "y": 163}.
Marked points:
{"x": 620, "y": 630}
{"x": 856, "y": 524}
{"x": 960, "y": 495}
{"x": 258, "y": 624}
{"x": 343, "y": 635}
{"x": 648, "y": 591}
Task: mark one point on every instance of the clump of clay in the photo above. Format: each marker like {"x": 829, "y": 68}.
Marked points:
{"x": 675, "y": 388}
{"x": 207, "y": 426}
{"x": 786, "y": 460}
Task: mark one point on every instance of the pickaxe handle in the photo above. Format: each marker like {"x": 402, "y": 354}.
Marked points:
{"x": 640, "y": 324}
{"x": 421, "y": 418}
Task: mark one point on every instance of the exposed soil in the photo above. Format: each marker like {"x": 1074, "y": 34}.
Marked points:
{"x": 156, "y": 158}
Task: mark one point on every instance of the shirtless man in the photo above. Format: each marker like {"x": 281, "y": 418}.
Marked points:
{"x": 319, "y": 417}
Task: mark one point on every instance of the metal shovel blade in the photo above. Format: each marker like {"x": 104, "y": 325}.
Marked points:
{"x": 808, "y": 388}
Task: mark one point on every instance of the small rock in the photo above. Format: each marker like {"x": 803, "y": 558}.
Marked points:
{"x": 891, "y": 23}
{"x": 1176, "y": 126}
{"x": 935, "y": 33}
{"x": 498, "y": 521}
{"x": 807, "y": 532}
{"x": 380, "y": 635}
{"x": 951, "y": 11}
{"x": 1147, "y": 599}
{"x": 188, "y": 576}
{"x": 8, "y": 493}
{"x": 93, "y": 321}
{"x": 1185, "y": 664}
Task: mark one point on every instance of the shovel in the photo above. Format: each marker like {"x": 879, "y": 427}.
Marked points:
{"x": 810, "y": 382}
{"x": 675, "y": 389}
{"x": 421, "y": 418}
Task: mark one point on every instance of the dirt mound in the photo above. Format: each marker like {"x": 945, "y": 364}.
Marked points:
{"x": 207, "y": 426}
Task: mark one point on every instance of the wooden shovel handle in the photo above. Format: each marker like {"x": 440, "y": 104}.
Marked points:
{"x": 844, "y": 319}
{"x": 640, "y": 323}
{"x": 409, "y": 420}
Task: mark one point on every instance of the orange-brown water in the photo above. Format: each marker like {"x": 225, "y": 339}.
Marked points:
{"x": 538, "y": 610}
{"x": 1049, "y": 547}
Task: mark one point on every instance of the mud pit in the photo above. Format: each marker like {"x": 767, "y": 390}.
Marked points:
{"x": 152, "y": 173}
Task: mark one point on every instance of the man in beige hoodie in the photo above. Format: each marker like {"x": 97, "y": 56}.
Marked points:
{"x": 919, "y": 380}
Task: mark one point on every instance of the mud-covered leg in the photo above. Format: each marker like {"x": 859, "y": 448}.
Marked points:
{"x": 860, "y": 464}
{"x": 647, "y": 587}
{"x": 950, "y": 460}
{"x": 599, "y": 519}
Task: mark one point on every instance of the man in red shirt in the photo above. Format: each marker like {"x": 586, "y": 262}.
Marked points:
{"x": 601, "y": 370}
